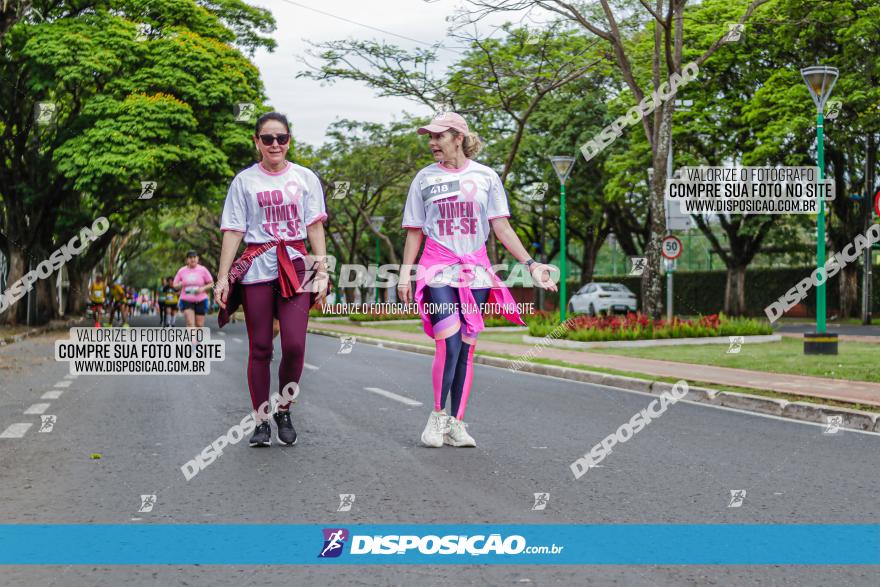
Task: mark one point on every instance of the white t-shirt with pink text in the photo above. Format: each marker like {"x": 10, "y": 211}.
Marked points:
{"x": 454, "y": 207}
{"x": 268, "y": 206}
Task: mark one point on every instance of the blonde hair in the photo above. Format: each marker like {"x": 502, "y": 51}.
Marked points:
{"x": 471, "y": 145}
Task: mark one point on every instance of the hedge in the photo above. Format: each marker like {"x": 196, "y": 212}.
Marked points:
{"x": 702, "y": 292}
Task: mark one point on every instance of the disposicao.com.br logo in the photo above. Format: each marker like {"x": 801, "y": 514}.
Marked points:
{"x": 431, "y": 544}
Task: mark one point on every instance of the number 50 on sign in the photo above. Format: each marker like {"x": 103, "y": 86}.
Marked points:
{"x": 671, "y": 247}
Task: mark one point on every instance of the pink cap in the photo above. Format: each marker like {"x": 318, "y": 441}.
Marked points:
{"x": 444, "y": 122}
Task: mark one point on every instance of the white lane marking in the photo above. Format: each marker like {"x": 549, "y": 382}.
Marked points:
{"x": 16, "y": 430}
{"x": 394, "y": 396}
{"x": 54, "y": 394}
{"x": 310, "y": 366}
{"x": 63, "y": 384}
{"x": 36, "y": 409}
{"x": 236, "y": 339}
{"x": 70, "y": 376}
{"x": 654, "y": 395}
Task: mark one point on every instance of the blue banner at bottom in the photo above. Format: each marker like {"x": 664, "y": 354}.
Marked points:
{"x": 620, "y": 544}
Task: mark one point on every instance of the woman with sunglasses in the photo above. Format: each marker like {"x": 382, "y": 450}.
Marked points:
{"x": 274, "y": 206}
{"x": 455, "y": 202}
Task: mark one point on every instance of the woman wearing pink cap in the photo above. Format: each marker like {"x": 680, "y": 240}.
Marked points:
{"x": 454, "y": 202}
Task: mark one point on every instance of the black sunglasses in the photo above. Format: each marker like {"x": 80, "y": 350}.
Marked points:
{"x": 269, "y": 139}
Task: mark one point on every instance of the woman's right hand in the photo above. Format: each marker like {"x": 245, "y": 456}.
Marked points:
{"x": 221, "y": 290}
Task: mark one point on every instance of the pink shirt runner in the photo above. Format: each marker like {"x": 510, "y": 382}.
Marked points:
{"x": 190, "y": 279}
{"x": 435, "y": 258}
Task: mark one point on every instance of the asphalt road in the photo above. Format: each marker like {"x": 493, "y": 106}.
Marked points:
{"x": 528, "y": 428}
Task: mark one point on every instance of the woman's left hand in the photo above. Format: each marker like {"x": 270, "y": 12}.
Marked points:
{"x": 319, "y": 284}
{"x": 541, "y": 274}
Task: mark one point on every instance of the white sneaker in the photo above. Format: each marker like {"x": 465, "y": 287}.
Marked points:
{"x": 437, "y": 426}
{"x": 457, "y": 435}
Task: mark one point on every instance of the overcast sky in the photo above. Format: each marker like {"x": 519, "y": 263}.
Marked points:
{"x": 311, "y": 107}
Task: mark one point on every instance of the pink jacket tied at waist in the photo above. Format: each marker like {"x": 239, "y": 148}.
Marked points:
{"x": 435, "y": 258}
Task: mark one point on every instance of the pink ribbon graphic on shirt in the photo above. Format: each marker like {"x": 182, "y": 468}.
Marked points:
{"x": 295, "y": 195}
{"x": 469, "y": 189}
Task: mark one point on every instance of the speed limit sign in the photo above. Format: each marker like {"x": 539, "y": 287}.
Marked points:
{"x": 671, "y": 247}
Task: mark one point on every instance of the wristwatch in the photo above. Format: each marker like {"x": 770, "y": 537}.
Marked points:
{"x": 529, "y": 263}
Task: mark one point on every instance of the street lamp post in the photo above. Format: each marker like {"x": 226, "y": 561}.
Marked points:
{"x": 377, "y": 221}
{"x": 562, "y": 166}
{"x": 820, "y": 80}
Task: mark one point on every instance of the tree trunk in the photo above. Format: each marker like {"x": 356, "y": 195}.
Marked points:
{"x": 849, "y": 291}
{"x": 735, "y": 291}
{"x": 652, "y": 280}
{"x": 17, "y": 269}
{"x": 588, "y": 260}
{"x": 78, "y": 292}
{"x": 46, "y": 306}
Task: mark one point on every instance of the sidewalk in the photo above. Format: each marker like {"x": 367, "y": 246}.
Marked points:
{"x": 833, "y": 389}
{"x": 17, "y": 334}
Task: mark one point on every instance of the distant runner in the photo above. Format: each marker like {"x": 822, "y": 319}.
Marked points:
{"x": 171, "y": 300}
{"x": 193, "y": 280}
{"x": 97, "y": 297}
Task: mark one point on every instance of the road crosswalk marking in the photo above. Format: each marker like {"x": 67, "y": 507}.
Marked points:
{"x": 37, "y": 409}
{"x": 394, "y": 396}
{"x": 16, "y": 430}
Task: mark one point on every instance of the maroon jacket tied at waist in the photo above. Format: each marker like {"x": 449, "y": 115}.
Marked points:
{"x": 287, "y": 278}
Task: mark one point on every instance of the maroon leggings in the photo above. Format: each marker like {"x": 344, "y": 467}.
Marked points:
{"x": 263, "y": 302}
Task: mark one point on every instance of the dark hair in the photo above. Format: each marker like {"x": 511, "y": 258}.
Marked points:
{"x": 191, "y": 253}
{"x": 271, "y": 116}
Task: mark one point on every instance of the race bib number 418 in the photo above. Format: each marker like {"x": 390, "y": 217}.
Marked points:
{"x": 440, "y": 187}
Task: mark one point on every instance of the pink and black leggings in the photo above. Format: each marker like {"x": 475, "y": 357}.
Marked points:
{"x": 453, "y": 366}
{"x": 262, "y": 302}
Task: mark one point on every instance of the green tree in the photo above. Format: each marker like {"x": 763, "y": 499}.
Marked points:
{"x": 619, "y": 25}
{"x": 143, "y": 91}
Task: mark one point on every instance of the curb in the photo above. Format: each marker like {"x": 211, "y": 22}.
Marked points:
{"x": 55, "y": 325}
{"x": 647, "y": 343}
{"x": 804, "y": 411}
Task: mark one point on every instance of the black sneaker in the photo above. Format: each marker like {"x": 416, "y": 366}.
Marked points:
{"x": 262, "y": 435}
{"x": 285, "y": 433}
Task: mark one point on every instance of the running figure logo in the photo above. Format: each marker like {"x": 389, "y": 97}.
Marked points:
{"x": 340, "y": 189}
{"x": 334, "y": 540}
{"x": 48, "y": 422}
{"x": 734, "y": 32}
{"x": 736, "y": 343}
{"x": 346, "y": 344}
{"x": 541, "y": 501}
{"x": 441, "y": 109}
{"x": 244, "y": 111}
{"x": 832, "y": 109}
{"x": 44, "y": 112}
{"x": 638, "y": 265}
{"x": 148, "y": 188}
{"x": 737, "y": 497}
{"x": 143, "y": 32}
{"x": 833, "y": 424}
{"x": 536, "y": 192}
{"x": 346, "y": 500}
{"x": 147, "y": 503}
